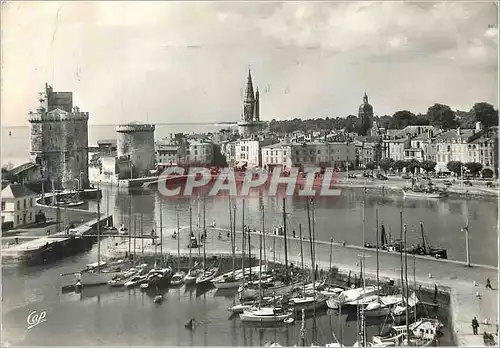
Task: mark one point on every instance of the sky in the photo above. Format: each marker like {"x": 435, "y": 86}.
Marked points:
{"x": 167, "y": 62}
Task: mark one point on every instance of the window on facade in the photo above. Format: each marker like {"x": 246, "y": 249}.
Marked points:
{"x": 297, "y": 152}
{"x": 31, "y": 216}
{"x": 17, "y": 219}
{"x": 481, "y": 152}
{"x": 25, "y": 204}
{"x": 18, "y": 205}
{"x": 284, "y": 153}
{"x": 3, "y": 205}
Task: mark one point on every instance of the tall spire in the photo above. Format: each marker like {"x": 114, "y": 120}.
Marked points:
{"x": 365, "y": 98}
{"x": 249, "y": 96}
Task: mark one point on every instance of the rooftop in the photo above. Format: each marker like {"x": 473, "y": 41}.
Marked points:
{"x": 16, "y": 191}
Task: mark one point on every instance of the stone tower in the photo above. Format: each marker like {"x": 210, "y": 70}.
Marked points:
{"x": 365, "y": 115}
{"x": 250, "y": 118}
{"x": 59, "y": 139}
{"x": 136, "y": 145}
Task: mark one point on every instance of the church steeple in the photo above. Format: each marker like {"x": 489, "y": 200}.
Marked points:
{"x": 365, "y": 99}
{"x": 249, "y": 96}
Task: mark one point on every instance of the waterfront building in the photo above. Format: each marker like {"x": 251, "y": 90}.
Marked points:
{"x": 395, "y": 148}
{"x": 453, "y": 145}
{"x": 198, "y": 153}
{"x": 135, "y": 144}
{"x": 342, "y": 154}
{"x": 169, "y": 151}
{"x": 228, "y": 150}
{"x": 369, "y": 149}
{"x": 484, "y": 148}
{"x": 18, "y": 206}
{"x": 250, "y": 122}
{"x": 248, "y": 151}
{"x": 59, "y": 139}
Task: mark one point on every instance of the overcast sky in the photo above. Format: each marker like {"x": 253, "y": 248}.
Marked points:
{"x": 174, "y": 62}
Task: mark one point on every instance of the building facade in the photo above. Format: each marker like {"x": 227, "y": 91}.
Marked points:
{"x": 365, "y": 115}
{"x": 59, "y": 139}
{"x": 18, "y": 205}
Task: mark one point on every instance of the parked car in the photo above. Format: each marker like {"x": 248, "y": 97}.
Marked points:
{"x": 351, "y": 176}
{"x": 447, "y": 183}
{"x": 467, "y": 183}
{"x": 406, "y": 176}
{"x": 490, "y": 184}
{"x": 367, "y": 175}
{"x": 381, "y": 177}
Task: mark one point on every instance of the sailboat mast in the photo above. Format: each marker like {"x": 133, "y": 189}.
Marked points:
{"x": 243, "y": 244}
{"x": 401, "y": 255}
{"x": 135, "y": 235}
{"x": 249, "y": 257}
{"x": 378, "y": 287}
{"x": 190, "y": 236}
{"x": 129, "y": 225}
{"x": 161, "y": 230}
{"x": 260, "y": 263}
{"x": 363, "y": 328}
{"x": 261, "y": 240}
{"x": 312, "y": 264}
{"x": 406, "y": 286}
{"x": 98, "y": 228}
{"x": 178, "y": 244}
{"x": 414, "y": 286}
{"x": 231, "y": 232}
{"x": 301, "y": 248}
{"x": 284, "y": 238}
{"x": 141, "y": 233}
{"x": 204, "y": 236}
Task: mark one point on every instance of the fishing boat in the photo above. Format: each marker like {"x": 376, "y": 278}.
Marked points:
{"x": 136, "y": 280}
{"x": 159, "y": 276}
{"x": 308, "y": 303}
{"x": 268, "y": 314}
{"x": 178, "y": 277}
{"x": 120, "y": 280}
{"x": 192, "y": 276}
{"x": 350, "y": 295}
{"x": 205, "y": 278}
{"x": 426, "y": 330}
{"x": 429, "y": 192}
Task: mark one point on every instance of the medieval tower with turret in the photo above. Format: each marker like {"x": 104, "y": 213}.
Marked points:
{"x": 59, "y": 140}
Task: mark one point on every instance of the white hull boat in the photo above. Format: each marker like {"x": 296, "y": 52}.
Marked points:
{"x": 240, "y": 308}
{"x": 206, "y": 277}
{"x": 178, "y": 278}
{"x": 417, "y": 194}
{"x": 137, "y": 280}
{"x": 362, "y": 301}
{"x": 191, "y": 277}
{"x": 376, "y": 309}
{"x": 307, "y": 303}
{"x": 270, "y": 315}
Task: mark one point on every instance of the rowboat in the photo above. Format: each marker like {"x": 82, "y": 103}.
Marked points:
{"x": 268, "y": 314}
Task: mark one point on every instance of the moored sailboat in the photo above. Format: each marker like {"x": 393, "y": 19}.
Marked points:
{"x": 178, "y": 277}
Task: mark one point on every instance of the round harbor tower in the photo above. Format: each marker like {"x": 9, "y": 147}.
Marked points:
{"x": 136, "y": 145}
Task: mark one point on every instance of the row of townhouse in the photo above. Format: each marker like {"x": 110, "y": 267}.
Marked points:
{"x": 431, "y": 144}
{"x": 322, "y": 154}
{"x": 181, "y": 151}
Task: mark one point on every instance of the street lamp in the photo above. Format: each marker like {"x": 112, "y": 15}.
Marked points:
{"x": 466, "y": 230}
{"x": 80, "y": 182}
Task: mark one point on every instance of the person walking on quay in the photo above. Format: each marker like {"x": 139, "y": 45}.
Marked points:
{"x": 488, "y": 284}
{"x": 475, "y": 326}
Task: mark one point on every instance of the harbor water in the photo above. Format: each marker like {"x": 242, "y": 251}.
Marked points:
{"x": 104, "y": 316}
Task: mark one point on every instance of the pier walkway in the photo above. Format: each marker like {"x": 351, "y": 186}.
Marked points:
{"x": 454, "y": 277}
{"x": 14, "y": 251}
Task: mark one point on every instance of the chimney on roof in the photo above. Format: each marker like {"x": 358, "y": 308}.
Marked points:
{"x": 458, "y": 131}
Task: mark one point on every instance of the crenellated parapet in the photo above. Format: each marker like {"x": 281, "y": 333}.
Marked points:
{"x": 57, "y": 115}
{"x": 135, "y": 127}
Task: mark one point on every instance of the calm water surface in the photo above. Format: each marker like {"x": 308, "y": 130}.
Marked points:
{"x": 129, "y": 317}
